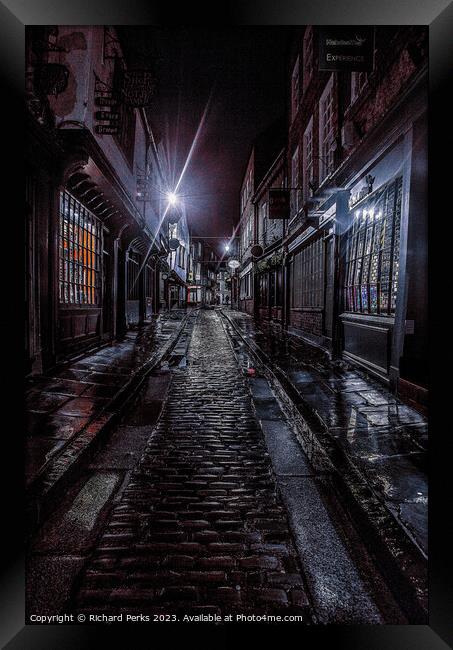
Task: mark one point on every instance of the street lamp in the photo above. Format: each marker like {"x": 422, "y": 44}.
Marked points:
{"x": 172, "y": 198}
{"x": 227, "y": 247}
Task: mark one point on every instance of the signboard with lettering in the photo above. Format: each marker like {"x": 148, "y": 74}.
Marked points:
{"x": 106, "y": 99}
{"x": 106, "y": 129}
{"x": 278, "y": 203}
{"x": 348, "y": 49}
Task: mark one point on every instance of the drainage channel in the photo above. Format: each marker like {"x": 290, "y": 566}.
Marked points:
{"x": 62, "y": 545}
{"x": 346, "y": 585}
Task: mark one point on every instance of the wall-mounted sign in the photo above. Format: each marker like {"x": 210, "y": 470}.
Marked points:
{"x": 106, "y": 99}
{"x": 278, "y": 203}
{"x": 107, "y": 115}
{"x": 106, "y": 129}
{"x": 233, "y": 263}
{"x": 362, "y": 192}
{"x": 346, "y": 48}
{"x": 174, "y": 243}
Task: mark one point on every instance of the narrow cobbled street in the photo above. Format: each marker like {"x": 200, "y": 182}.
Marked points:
{"x": 200, "y": 527}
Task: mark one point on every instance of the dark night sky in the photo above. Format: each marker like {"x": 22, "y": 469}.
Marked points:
{"x": 246, "y": 67}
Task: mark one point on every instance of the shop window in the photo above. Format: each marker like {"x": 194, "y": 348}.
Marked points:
{"x": 246, "y": 286}
{"x": 307, "y": 276}
{"x": 80, "y": 246}
{"x": 372, "y": 263}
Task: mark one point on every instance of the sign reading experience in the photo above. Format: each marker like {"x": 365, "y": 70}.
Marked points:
{"x": 348, "y": 49}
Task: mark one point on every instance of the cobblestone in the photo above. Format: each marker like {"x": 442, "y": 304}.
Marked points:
{"x": 200, "y": 525}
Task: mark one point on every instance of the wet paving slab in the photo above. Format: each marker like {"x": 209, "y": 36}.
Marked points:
{"x": 60, "y": 404}
{"x": 54, "y": 425}
{"x": 385, "y": 438}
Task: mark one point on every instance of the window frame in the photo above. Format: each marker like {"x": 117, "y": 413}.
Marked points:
{"x": 295, "y": 88}
{"x": 308, "y": 57}
{"x": 373, "y": 254}
{"x": 307, "y": 276}
{"x": 308, "y": 161}
{"x": 327, "y": 113}
{"x": 295, "y": 182}
{"x": 80, "y": 272}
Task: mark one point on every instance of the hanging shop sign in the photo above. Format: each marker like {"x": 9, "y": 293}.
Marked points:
{"x": 233, "y": 263}
{"x": 348, "y": 49}
{"x": 278, "y": 203}
{"x": 137, "y": 87}
{"x": 173, "y": 243}
{"x": 256, "y": 250}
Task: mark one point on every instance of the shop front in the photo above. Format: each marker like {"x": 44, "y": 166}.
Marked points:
{"x": 269, "y": 287}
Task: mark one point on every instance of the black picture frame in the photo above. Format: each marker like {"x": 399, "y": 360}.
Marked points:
{"x": 438, "y": 15}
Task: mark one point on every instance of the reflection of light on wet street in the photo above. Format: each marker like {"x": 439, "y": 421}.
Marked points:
{"x": 352, "y": 425}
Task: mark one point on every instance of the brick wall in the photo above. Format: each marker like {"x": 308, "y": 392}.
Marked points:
{"x": 308, "y": 320}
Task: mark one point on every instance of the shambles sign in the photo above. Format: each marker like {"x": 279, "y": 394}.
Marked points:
{"x": 278, "y": 203}
{"x": 349, "y": 49}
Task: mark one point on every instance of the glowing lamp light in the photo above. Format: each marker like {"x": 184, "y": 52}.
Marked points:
{"x": 227, "y": 247}
{"x": 172, "y": 198}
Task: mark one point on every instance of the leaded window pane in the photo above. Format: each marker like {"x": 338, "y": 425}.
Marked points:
{"x": 79, "y": 253}
{"x": 372, "y": 253}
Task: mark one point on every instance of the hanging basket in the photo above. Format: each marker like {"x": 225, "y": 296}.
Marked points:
{"x": 137, "y": 87}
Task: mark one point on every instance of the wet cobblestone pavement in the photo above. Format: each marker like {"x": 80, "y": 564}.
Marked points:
{"x": 200, "y": 527}
{"x": 61, "y": 404}
{"x": 385, "y": 438}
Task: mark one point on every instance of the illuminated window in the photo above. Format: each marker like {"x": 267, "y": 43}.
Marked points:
{"x": 372, "y": 263}
{"x": 80, "y": 246}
